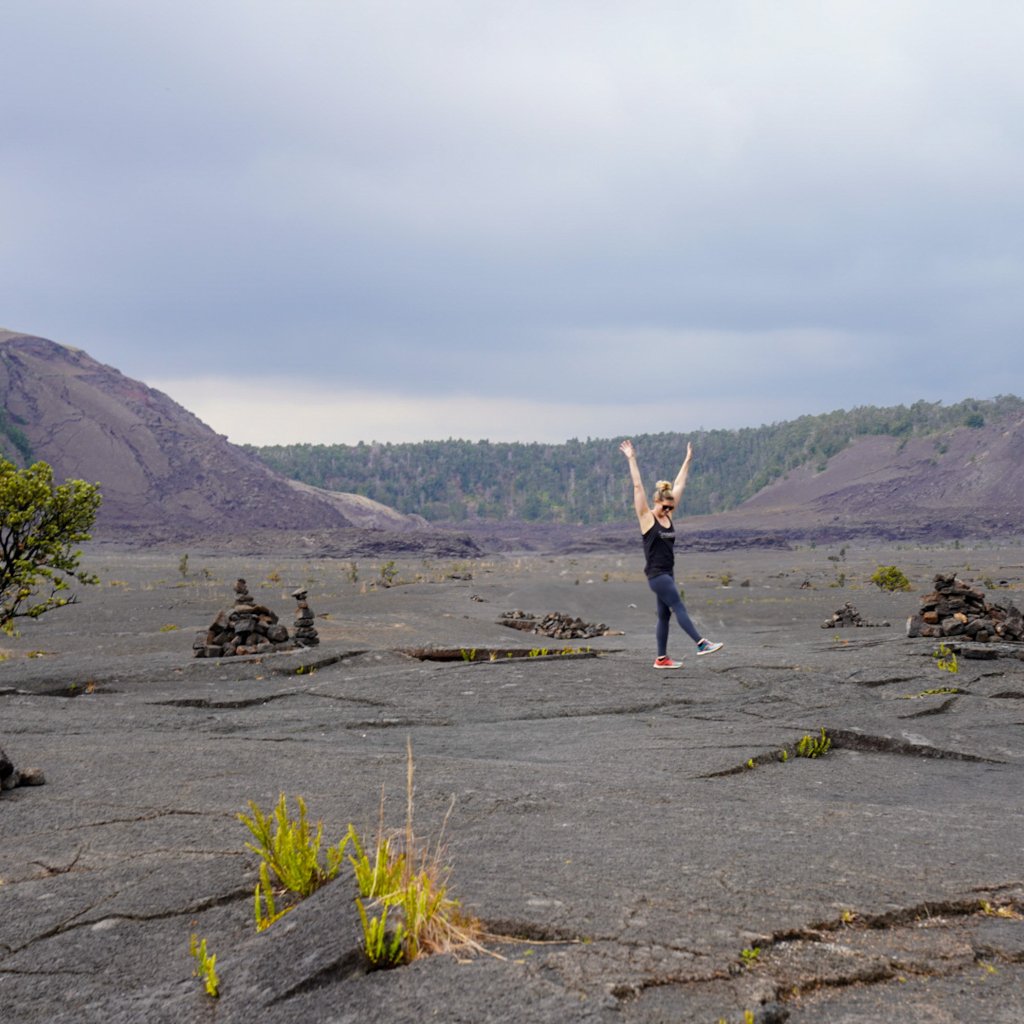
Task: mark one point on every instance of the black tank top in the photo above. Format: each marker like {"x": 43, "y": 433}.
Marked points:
{"x": 659, "y": 550}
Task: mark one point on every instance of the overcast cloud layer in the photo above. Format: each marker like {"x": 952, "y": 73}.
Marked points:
{"x": 342, "y": 221}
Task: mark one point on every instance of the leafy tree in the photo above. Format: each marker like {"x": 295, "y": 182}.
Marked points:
{"x": 39, "y": 526}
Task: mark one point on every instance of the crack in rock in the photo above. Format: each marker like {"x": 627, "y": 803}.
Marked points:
{"x": 926, "y": 940}
{"x": 940, "y": 709}
{"x": 509, "y": 930}
{"x": 75, "y": 923}
{"x": 68, "y": 692}
{"x": 358, "y": 701}
{"x": 872, "y": 683}
{"x": 351, "y": 963}
{"x": 151, "y": 816}
{"x": 630, "y": 709}
{"x": 970, "y": 906}
{"x": 242, "y": 702}
{"x": 309, "y": 667}
{"x": 845, "y": 739}
{"x": 396, "y": 723}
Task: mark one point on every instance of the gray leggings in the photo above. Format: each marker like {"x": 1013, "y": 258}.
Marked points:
{"x": 670, "y": 602}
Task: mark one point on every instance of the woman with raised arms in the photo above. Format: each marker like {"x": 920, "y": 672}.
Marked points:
{"x": 659, "y": 537}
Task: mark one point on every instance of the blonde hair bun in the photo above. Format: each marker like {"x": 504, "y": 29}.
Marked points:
{"x": 662, "y": 490}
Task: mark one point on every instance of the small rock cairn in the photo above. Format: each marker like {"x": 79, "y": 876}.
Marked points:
{"x": 557, "y": 625}
{"x": 251, "y": 628}
{"x": 955, "y": 608}
{"x": 305, "y": 630}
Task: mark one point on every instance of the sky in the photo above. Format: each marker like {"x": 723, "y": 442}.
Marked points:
{"x": 333, "y": 221}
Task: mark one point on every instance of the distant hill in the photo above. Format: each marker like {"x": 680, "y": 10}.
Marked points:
{"x": 162, "y": 472}
{"x": 926, "y": 468}
{"x": 964, "y": 482}
{"x": 924, "y": 472}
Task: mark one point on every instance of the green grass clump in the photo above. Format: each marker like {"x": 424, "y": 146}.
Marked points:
{"x": 409, "y": 912}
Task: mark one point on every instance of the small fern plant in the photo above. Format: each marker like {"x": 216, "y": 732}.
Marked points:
{"x": 945, "y": 659}
{"x": 206, "y": 966}
{"x": 290, "y": 857}
{"x": 381, "y": 876}
{"x": 383, "y": 945}
{"x": 810, "y": 746}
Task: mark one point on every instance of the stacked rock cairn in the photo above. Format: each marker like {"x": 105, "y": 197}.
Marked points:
{"x": 955, "y": 608}
{"x": 249, "y": 628}
{"x": 305, "y": 630}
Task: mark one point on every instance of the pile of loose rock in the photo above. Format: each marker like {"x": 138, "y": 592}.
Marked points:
{"x": 10, "y": 777}
{"x": 848, "y": 616}
{"x": 556, "y": 625}
{"x": 955, "y": 608}
{"x": 251, "y": 628}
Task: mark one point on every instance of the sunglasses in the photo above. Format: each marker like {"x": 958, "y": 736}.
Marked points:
{"x": 668, "y": 508}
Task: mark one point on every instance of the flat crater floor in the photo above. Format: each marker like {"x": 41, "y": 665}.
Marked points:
{"x": 639, "y": 845}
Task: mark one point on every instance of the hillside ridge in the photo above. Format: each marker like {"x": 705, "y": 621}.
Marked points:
{"x": 163, "y": 473}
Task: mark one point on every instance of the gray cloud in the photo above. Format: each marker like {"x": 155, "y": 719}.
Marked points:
{"x": 760, "y": 209}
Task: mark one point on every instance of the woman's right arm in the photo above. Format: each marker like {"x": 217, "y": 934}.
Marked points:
{"x": 639, "y": 496}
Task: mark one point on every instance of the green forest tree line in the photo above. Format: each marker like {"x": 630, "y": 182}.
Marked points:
{"x": 587, "y": 481}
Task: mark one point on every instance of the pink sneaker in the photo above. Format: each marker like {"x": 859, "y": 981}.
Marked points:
{"x": 667, "y": 663}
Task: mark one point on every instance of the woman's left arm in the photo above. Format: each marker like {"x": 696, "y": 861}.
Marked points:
{"x": 684, "y": 472}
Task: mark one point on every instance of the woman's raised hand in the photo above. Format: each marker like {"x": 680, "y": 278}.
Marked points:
{"x": 627, "y": 449}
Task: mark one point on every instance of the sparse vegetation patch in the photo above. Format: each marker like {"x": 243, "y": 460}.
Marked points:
{"x": 404, "y": 905}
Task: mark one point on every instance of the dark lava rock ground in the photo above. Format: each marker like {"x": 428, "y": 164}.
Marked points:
{"x": 628, "y": 833}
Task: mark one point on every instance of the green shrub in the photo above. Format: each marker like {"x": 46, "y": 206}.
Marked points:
{"x": 888, "y": 577}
